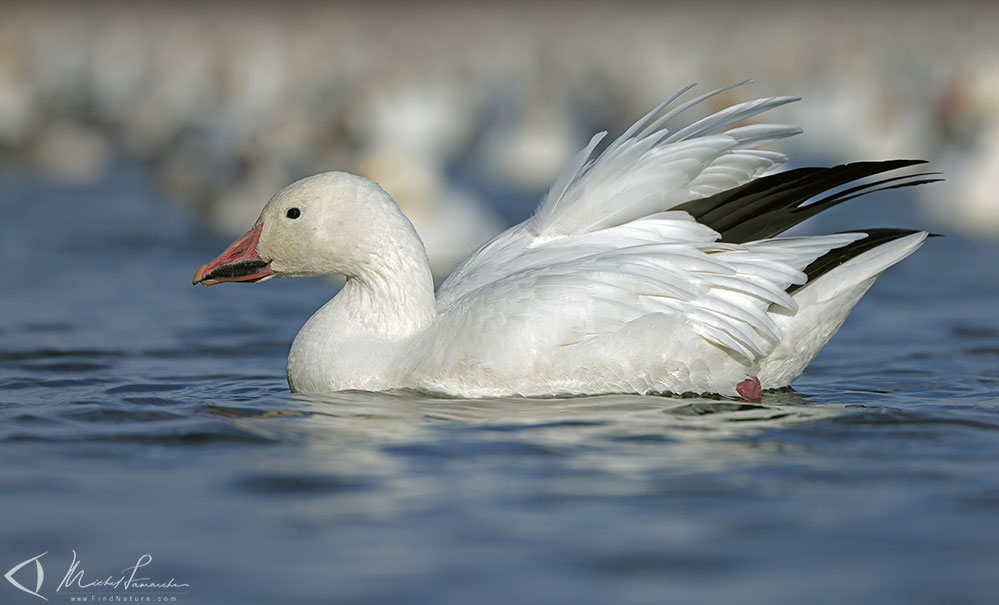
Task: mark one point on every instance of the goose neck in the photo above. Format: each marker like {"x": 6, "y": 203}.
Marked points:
{"x": 392, "y": 295}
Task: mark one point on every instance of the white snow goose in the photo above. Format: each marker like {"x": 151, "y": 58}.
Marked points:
{"x": 654, "y": 267}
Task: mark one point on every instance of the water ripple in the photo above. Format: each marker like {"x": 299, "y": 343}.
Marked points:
{"x": 295, "y": 484}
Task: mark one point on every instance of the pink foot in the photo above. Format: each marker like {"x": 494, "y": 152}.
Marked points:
{"x": 750, "y": 389}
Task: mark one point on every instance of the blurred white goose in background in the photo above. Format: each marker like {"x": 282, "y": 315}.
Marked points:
{"x": 651, "y": 268}
{"x": 409, "y": 132}
{"x": 531, "y": 132}
{"x": 452, "y": 221}
{"x": 968, "y": 152}
{"x": 858, "y": 114}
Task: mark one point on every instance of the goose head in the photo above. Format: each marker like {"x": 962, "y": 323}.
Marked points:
{"x": 331, "y": 223}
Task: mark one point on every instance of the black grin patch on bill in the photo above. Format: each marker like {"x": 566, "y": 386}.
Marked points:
{"x": 240, "y": 269}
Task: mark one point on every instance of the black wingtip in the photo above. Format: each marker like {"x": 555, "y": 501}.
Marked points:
{"x": 769, "y": 205}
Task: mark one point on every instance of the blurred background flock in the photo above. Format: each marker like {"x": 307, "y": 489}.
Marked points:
{"x": 465, "y": 112}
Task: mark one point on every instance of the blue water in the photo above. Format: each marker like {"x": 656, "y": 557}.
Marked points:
{"x": 140, "y": 415}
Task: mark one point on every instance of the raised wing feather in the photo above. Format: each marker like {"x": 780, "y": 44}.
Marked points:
{"x": 647, "y": 170}
{"x": 650, "y": 168}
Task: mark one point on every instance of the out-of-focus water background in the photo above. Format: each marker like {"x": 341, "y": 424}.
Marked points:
{"x": 141, "y": 416}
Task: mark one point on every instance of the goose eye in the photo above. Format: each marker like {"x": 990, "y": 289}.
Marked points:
{"x": 293, "y": 213}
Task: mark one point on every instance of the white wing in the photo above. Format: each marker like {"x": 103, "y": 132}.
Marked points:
{"x": 650, "y": 169}
{"x": 647, "y": 170}
{"x": 604, "y": 245}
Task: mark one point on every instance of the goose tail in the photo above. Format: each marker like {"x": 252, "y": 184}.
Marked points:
{"x": 837, "y": 281}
